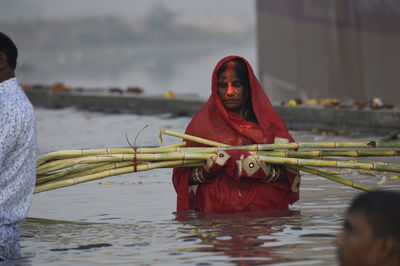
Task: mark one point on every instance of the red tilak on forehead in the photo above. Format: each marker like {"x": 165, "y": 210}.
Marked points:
{"x": 230, "y": 68}
{"x": 231, "y": 64}
{"x": 230, "y": 90}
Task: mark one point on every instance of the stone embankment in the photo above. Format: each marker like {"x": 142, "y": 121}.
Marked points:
{"x": 341, "y": 120}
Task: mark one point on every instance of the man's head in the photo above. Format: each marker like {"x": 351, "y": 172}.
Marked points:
{"x": 371, "y": 231}
{"x": 8, "y": 57}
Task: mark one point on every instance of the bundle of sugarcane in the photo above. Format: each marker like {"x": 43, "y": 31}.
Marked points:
{"x": 69, "y": 167}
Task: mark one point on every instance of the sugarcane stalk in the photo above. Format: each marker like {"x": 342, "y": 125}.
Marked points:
{"x": 292, "y": 145}
{"x": 307, "y": 145}
{"x": 329, "y": 163}
{"x": 392, "y": 135}
{"x": 64, "y": 163}
{"x": 65, "y": 154}
{"x": 179, "y": 144}
{"x": 90, "y": 152}
{"x": 101, "y": 163}
{"x": 388, "y": 144}
{"x": 254, "y": 147}
{"x": 108, "y": 173}
{"x": 78, "y": 169}
{"x": 190, "y": 137}
{"x": 332, "y": 177}
{"x": 392, "y": 165}
{"x": 198, "y": 164}
{"x": 80, "y": 153}
{"x": 339, "y": 153}
{"x": 98, "y": 168}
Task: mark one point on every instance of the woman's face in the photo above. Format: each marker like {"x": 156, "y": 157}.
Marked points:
{"x": 231, "y": 90}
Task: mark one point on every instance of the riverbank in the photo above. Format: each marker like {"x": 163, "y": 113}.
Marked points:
{"x": 317, "y": 118}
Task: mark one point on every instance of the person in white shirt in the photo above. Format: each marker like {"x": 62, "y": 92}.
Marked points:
{"x": 17, "y": 151}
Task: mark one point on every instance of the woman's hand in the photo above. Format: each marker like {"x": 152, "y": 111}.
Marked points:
{"x": 237, "y": 164}
{"x": 251, "y": 167}
{"x": 216, "y": 163}
{"x": 210, "y": 169}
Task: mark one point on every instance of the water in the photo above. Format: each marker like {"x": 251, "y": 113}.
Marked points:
{"x": 130, "y": 219}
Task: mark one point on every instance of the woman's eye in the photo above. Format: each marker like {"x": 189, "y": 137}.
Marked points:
{"x": 237, "y": 84}
{"x": 222, "y": 85}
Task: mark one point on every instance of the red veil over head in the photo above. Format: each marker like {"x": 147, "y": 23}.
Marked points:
{"x": 214, "y": 122}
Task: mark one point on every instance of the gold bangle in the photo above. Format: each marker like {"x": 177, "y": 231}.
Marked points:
{"x": 270, "y": 177}
{"x": 201, "y": 175}
{"x": 277, "y": 173}
{"x": 195, "y": 176}
{"x": 198, "y": 176}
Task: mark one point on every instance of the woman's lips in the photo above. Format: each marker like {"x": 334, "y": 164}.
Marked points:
{"x": 231, "y": 101}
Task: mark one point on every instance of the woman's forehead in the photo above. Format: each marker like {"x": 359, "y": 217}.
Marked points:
{"x": 228, "y": 74}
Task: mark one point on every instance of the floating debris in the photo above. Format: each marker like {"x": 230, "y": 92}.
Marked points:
{"x": 169, "y": 94}
{"x": 59, "y": 87}
{"x": 134, "y": 90}
{"x": 373, "y": 104}
{"x": 116, "y": 90}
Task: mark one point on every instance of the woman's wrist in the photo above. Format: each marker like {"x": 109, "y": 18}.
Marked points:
{"x": 198, "y": 176}
{"x": 277, "y": 173}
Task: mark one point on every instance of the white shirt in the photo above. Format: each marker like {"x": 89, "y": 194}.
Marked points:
{"x": 17, "y": 163}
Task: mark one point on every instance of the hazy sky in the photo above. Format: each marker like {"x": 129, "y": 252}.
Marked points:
{"x": 77, "y": 8}
{"x": 191, "y": 74}
{"x": 218, "y": 14}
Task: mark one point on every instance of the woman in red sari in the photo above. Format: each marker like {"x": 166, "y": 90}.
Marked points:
{"x": 238, "y": 112}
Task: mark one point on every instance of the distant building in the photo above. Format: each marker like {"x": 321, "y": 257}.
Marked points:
{"x": 346, "y": 49}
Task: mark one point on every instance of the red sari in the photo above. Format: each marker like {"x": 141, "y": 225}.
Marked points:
{"x": 224, "y": 193}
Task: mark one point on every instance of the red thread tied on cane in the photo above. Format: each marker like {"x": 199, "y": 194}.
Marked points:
{"x": 134, "y": 161}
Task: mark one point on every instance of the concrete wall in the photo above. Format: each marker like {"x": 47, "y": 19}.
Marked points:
{"x": 112, "y": 102}
{"x": 345, "y": 49}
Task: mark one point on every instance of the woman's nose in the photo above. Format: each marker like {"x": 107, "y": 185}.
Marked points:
{"x": 230, "y": 91}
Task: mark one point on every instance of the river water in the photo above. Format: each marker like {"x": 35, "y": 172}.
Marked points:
{"x": 130, "y": 219}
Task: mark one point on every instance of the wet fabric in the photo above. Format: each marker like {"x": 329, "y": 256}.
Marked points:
{"x": 17, "y": 163}
{"x": 224, "y": 193}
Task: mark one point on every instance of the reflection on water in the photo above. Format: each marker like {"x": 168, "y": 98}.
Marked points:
{"x": 240, "y": 237}
{"x": 131, "y": 220}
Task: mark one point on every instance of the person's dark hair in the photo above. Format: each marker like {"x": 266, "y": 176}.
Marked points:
{"x": 381, "y": 210}
{"x": 8, "y": 47}
{"x": 241, "y": 71}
